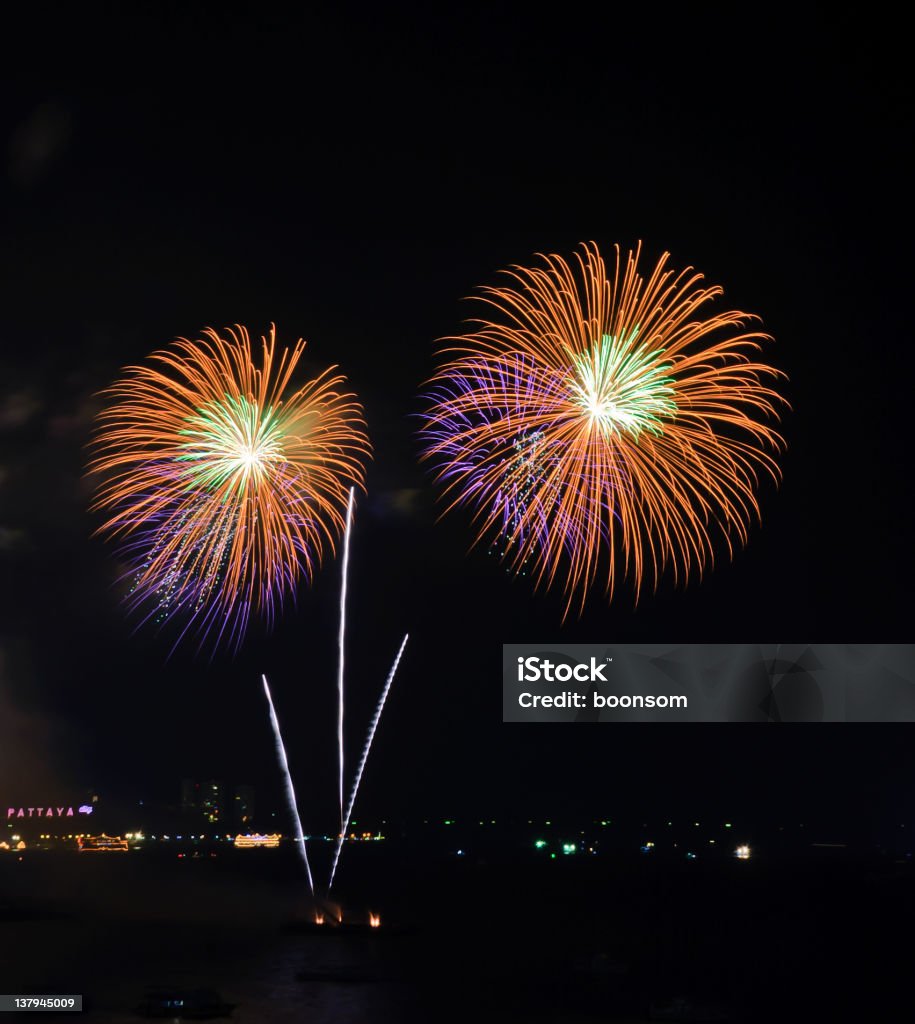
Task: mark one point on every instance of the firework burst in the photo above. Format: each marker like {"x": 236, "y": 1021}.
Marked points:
{"x": 224, "y": 483}
{"x": 604, "y": 425}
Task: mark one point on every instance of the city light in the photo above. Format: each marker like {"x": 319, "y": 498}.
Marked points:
{"x": 742, "y": 852}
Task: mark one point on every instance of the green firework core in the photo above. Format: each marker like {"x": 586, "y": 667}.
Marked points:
{"x": 233, "y": 440}
{"x": 624, "y": 387}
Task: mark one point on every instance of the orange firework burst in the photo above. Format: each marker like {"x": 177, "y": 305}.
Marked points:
{"x": 224, "y": 483}
{"x": 604, "y": 425}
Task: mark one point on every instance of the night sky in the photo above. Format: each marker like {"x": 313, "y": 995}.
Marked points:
{"x": 351, "y": 177}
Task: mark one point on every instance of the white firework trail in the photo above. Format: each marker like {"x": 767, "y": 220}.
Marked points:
{"x": 365, "y": 754}
{"x": 349, "y": 523}
{"x": 290, "y": 791}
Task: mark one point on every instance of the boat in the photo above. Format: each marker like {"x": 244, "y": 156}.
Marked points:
{"x": 101, "y": 844}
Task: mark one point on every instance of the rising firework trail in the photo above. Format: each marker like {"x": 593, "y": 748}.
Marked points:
{"x": 290, "y": 791}
{"x": 346, "y": 533}
{"x": 365, "y": 754}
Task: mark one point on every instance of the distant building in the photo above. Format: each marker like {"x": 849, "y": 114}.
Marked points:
{"x": 190, "y": 792}
{"x": 213, "y": 801}
{"x": 209, "y": 803}
{"x": 243, "y": 806}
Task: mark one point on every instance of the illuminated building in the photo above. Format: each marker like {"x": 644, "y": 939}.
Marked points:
{"x": 213, "y": 801}
{"x": 204, "y": 801}
{"x": 210, "y": 803}
{"x": 243, "y": 805}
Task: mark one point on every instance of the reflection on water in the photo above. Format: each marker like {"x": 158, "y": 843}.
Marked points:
{"x": 271, "y": 977}
{"x": 543, "y": 943}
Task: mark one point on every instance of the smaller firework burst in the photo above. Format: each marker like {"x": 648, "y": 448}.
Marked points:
{"x": 225, "y": 484}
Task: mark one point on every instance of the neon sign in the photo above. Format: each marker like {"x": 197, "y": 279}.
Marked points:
{"x": 45, "y": 812}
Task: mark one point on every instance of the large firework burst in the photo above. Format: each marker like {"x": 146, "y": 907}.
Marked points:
{"x": 604, "y": 425}
{"x": 224, "y": 483}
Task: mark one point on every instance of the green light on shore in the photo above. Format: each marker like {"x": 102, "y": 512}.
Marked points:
{"x": 540, "y": 843}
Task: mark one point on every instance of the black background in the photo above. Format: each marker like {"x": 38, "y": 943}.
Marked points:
{"x": 351, "y": 176}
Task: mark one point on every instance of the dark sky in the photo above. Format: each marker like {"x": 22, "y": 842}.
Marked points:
{"x": 351, "y": 177}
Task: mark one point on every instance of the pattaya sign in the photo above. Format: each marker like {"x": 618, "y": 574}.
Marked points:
{"x": 45, "y": 812}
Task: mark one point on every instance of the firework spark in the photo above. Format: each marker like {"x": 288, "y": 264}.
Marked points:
{"x": 290, "y": 789}
{"x": 365, "y": 756}
{"x": 604, "y": 425}
{"x": 225, "y": 484}
{"x": 342, "y": 647}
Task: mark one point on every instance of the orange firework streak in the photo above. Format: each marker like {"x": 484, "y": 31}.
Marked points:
{"x": 605, "y": 420}
{"x": 225, "y": 489}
